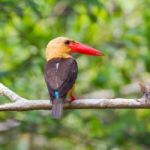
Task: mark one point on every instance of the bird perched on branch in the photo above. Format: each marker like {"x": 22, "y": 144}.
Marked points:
{"x": 61, "y": 70}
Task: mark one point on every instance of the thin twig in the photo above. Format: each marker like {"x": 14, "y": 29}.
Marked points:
{"x": 10, "y": 94}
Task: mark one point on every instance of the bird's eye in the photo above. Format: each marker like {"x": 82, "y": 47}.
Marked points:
{"x": 67, "y": 42}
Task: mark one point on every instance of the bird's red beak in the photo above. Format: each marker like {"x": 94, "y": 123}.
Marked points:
{"x": 84, "y": 49}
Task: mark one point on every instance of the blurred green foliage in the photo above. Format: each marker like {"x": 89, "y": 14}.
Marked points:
{"x": 120, "y": 28}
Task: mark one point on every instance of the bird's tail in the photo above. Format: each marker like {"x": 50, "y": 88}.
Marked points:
{"x": 57, "y": 108}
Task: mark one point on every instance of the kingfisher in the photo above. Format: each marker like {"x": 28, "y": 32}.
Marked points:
{"x": 61, "y": 70}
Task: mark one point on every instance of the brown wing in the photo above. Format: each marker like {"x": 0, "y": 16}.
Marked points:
{"x": 60, "y": 75}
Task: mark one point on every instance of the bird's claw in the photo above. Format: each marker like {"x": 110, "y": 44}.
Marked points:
{"x": 72, "y": 99}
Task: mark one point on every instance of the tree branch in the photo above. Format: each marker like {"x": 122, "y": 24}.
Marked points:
{"x": 21, "y": 104}
{"x": 4, "y": 91}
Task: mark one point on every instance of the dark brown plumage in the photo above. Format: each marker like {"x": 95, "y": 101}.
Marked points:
{"x": 60, "y": 76}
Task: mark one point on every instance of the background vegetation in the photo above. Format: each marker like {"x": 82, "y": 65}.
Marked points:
{"x": 118, "y": 27}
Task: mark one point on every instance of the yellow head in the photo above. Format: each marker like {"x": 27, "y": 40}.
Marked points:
{"x": 58, "y": 47}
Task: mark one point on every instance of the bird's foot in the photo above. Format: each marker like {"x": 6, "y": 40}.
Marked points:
{"x": 72, "y": 99}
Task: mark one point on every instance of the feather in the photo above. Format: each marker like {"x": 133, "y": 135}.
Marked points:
{"x": 57, "y": 108}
